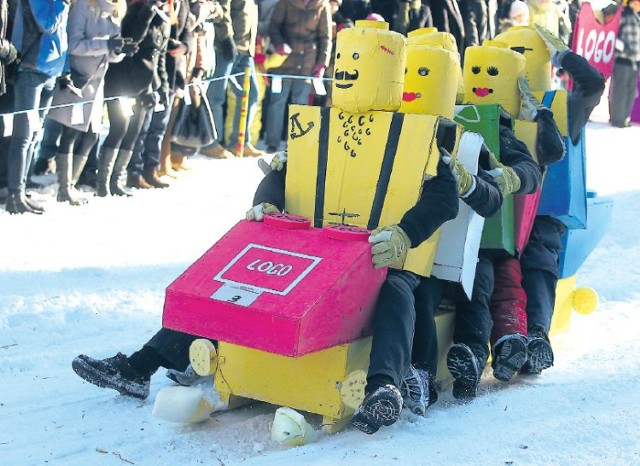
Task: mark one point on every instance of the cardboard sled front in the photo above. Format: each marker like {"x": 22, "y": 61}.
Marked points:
{"x": 279, "y": 286}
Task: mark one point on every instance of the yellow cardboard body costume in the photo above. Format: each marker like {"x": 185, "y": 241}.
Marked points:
{"x": 360, "y": 163}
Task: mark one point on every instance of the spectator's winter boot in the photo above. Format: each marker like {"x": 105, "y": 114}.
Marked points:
{"x": 465, "y": 368}
{"x": 118, "y": 180}
{"x": 418, "y": 391}
{"x": 17, "y": 204}
{"x": 381, "y": 407}
{"x": 115, "y": 373}
{"x": 64, "y": 169}
{"x": 106, "y": 162}
{"x": 539, "y": 352}
{"x": 79, "y": 162}
{"x": 509, "y": 355}
{"x": 150, "y": 175}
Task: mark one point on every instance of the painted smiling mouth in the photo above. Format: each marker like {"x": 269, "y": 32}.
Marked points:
{"x": 410, "y": 96}
{"x": 482, "y": 91}
{"x": 345, "y": 76}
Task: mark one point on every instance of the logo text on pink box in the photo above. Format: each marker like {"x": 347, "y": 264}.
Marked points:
{"x": 266, "y": 269}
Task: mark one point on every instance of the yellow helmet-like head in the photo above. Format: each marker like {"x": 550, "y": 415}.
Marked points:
{"x": 525, "y": 40}
{"x": 430, "y": 81}
{"x": 433, "y": 37}
{"x": 369, "y": 68}
{"x": 491, "y": 75}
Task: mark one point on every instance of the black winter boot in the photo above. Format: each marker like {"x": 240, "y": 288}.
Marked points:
{"x": 106, "y": 162}
{"x": 380, "y": 408}
{"x": 64, "y": 168}
{"x": 151, "y": 177}
{"x": 465, "y": 367}
{"x": 118, "y": 178}
{"x": 17, "y": 204}
{"x": 509, "y": 355}
{"x": 418, "y": 391}
{"x": 539, "y": 352}
{"x": 115, "y": 373}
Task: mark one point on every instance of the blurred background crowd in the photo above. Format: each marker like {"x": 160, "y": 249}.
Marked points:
{"x": 115, "y": 95}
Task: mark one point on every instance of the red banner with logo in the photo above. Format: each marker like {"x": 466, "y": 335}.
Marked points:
{"x": 594, "y": 41}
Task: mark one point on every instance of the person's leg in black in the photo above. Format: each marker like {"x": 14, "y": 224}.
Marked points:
{"x": 142, "y": 115}
{"x": 390, "y": 358}
{"x": 64, "y": 166}
{"x": 540, "y": 272}
{"x": 132, "y": 375}
{"x": 469, "y": 354}
{"x": 118, "y": 126}
{"x": 83, "y": 148}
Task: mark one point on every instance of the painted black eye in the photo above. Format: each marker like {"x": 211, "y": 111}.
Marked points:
{"x": 422, "y": 71}
{"x": 338, "y": 55}
{"x": 405, "y": 71}
{"x": 356, "y": 56}
{"x": 492, "y": 71}
{"x": 475, "y": 69}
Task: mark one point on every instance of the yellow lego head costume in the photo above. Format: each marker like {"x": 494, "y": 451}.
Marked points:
{"x": 491, "y": 75}
{"x": 428, "y": 84}
{"x": 433, "y": 37}
{"x": 369, "y": 68}
{"x": 525, "y": 40}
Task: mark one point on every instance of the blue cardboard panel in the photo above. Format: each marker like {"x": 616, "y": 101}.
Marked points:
{"x": 578, "y": 244}
{"x": 564, "y": 191}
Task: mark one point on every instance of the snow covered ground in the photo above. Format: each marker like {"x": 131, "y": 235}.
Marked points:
{"x": 91, "y": 280}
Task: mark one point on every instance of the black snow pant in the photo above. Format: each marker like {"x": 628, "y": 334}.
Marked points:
{"x": 540, "y": 263}
{"x": 167, "y": 348}
{"x": 428, "y": 296}
{"x": 473, "y": 317}
{"x": 393, "y": 324}
{"x": 623, "y": 90}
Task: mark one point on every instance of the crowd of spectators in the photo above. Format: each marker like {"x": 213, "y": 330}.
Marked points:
{"x": 62, "y": 62}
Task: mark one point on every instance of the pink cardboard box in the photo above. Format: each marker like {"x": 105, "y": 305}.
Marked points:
{"x": 279, "y": 286}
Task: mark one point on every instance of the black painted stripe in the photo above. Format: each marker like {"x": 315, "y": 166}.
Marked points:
{"x": 386, "y": 168}
{"x": 321, "y": 177}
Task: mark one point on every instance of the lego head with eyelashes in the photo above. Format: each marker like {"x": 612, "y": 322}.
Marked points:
{"x": 430, "y": 81}
{"x": 490, "y": 75}
{"x": 369, "y": 68}
{"x": 525, "y": 40}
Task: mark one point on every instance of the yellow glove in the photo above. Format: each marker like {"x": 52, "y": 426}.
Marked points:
{"x": 530, "y": 105}
{"x": 390, "y": 244}
{"x": 464, "y": 180}
{"x": 256, "y": 213}
{"x": 506, "y": 179}
{"x": 278, "y": 160}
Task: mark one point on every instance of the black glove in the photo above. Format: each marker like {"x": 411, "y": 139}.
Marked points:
{"x": 228, "y": 49}
{"x": 130, "y": 48}
{"x": 8, "y": 52}
{"x": 115, "y": 44}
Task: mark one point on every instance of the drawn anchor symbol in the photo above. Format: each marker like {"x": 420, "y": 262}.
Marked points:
{"x": 343, "y": 215}
{"x": 295, "y": 125}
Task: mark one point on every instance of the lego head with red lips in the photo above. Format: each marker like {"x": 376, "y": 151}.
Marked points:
{"x": 430, "y": 81}
{"x": 491, "y": 74}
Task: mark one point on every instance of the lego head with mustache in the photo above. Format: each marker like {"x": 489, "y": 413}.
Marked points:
{"x": 490, "y": 75}
{"x": 369, "y": 68}
{"x": 430, "y": 81}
